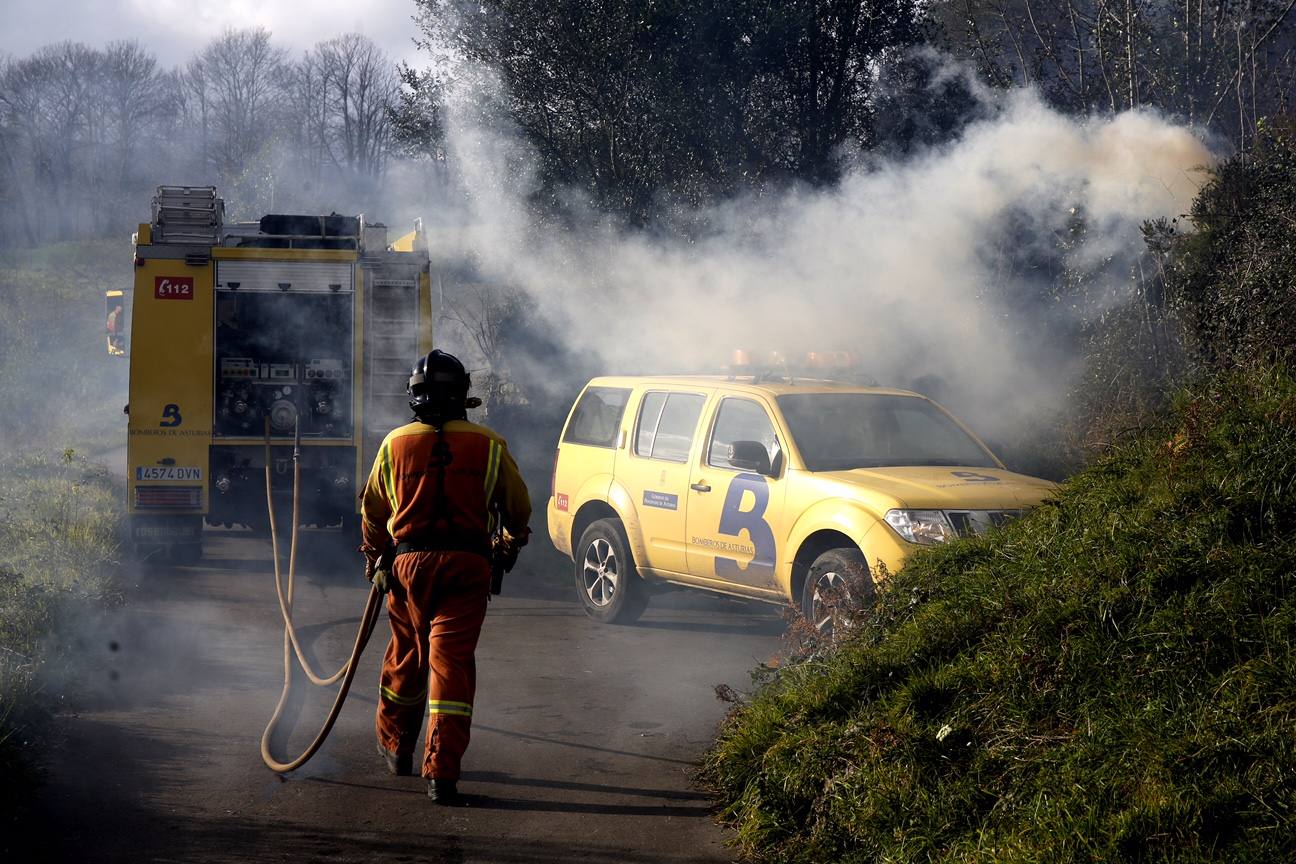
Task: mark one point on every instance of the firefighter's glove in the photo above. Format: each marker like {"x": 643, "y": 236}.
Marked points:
{"x": 378, "y": 573}
{"x": 506, "y": 548}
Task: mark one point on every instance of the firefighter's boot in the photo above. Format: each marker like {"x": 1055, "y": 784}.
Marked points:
{"x": 445, "y": 793}
{"x": 399, "y": 764}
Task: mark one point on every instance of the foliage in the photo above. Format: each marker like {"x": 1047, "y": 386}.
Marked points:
{"x": 417, "y": 118}
{"x": 1219, "y": 65}
{"x": 349, "y": 87}
{"x": 87, "y": 134}
{"x": 230, "y": 90}
{"x": 73, "y": 122}
{"x": 1210, "y": 296}
{"x": 646, "y": 107}
{"x": 1232, "y": 277}
{"x": 1131, "y": 343}
{"x": 1110, "y": 678}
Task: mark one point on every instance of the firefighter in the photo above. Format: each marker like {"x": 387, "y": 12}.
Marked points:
{"x": 443, "y": 496}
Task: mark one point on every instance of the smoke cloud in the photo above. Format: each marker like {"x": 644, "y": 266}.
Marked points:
{"x": 926, "y": 267}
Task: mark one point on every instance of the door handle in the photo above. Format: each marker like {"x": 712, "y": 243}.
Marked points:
{"x": 700, "y": 487}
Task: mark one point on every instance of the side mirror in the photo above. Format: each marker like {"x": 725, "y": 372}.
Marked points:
{"x": 750, "y": 456}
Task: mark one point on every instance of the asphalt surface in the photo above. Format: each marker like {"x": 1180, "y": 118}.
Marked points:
{"x": 585, "y": 736}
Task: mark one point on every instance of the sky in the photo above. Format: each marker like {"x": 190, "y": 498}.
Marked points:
{"x": 174, "y": 30}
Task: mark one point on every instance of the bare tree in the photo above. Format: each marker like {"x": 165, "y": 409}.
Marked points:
{"x": 136, "y": 102}
{"x": 1225, "y": 64}
{"x": 485, "y": 314}
{"x": 48, "y": 109}
{"x": 16, "y": 98}
{"x": 362, "y": 89}
{"x": 306, "y": 115}
{"x": 233, "y": 85}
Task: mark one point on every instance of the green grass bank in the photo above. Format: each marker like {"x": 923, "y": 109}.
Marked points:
{"x": 1111, "y": 678}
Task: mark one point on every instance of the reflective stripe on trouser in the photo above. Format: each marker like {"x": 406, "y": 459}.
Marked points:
{"x": 436, "y": 607}
{"x": 396, "y": 699}
{"x": 446, "y": 706}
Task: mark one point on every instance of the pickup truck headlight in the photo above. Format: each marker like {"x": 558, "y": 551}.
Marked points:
{"x": 924, "y": 527}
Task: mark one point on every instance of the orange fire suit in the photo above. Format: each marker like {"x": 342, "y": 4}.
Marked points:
{"x": 440, "y": 491}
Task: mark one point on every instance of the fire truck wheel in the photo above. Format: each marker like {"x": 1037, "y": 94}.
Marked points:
{"x": 606, "y": 578}
{"x": 839, "y": 583}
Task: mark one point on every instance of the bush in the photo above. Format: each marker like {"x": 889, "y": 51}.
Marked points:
{"x": 1111, "y": 678}
{"x": 1231, "y": 279}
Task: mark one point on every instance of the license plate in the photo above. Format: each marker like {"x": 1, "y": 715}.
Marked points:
{"x": 167, "y": 472}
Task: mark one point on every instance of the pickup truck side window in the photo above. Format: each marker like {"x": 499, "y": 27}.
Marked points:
{"x": 596, "y": 418}
{"x": 741, "y": 420}
{"x": 667, "y": 422}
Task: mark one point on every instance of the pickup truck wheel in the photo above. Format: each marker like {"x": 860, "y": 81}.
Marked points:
{"x": 606, "y": 579}
{"x": 838, "y": 585}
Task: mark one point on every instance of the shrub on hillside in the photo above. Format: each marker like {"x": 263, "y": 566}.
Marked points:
{"x": 1231, "y": 279}
{"x": 1111, "y": 678}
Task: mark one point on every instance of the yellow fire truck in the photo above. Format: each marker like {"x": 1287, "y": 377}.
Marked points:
{"x": 299, "y": 325}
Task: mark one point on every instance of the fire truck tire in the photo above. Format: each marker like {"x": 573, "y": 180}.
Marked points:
{"x": 607, "y": 580}
{"x": 838, "y": 582}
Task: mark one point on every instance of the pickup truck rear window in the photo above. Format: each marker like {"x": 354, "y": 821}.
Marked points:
{"x": 597, "y": 417}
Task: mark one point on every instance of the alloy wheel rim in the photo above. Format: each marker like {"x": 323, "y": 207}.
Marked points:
{"x": 600, "y": 573}
{"x": 824, "y": 616}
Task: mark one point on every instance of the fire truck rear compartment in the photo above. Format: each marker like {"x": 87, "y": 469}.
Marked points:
{"x": 282, "y": 356}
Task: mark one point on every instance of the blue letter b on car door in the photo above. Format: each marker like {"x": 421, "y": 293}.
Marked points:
{"x": 734, "y": 521}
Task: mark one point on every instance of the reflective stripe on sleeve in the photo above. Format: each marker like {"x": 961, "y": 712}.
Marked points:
{"x": 492, "y": 475}
{"x": 388, "y": 475}
{"x": 492, "y": 468}
{"x": 397, "y": 699}
{"x": 445, "y": 706}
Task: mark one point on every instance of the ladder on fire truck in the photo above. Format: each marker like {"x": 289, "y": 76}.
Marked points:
{"x": 187, "y": 214}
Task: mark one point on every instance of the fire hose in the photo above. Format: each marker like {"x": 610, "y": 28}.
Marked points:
{"x": 292, "y": 646}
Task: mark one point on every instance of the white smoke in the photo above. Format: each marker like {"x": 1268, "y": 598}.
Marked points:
{"x": 896, "y": 263}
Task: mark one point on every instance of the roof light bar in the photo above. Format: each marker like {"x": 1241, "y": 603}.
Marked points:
{"x": 781, "y": 366}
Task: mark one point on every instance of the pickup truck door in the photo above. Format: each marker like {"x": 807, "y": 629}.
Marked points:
{"x": 655, "y": 472}
{"x": 734, "y": 512}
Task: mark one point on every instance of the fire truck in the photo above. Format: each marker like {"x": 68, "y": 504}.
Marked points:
{"x": 289, "y": 329}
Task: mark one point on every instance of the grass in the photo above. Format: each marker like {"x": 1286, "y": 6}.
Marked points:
{"x": 61, "y": 514}
{"x": 1111, "y": 678}
{"x": 56, "y": 379}
{"x": 61, "y": 540}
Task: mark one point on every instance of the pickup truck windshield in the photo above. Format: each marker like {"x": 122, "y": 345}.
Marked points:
{"x": 840, "y": 431}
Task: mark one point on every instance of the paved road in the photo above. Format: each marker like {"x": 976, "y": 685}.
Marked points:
{"x": 583, "y": 746}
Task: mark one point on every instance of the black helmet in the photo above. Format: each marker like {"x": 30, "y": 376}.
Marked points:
{"x": 438, "y": 388}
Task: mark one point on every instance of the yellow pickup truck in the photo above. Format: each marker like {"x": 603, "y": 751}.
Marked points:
{"x": 764, "y": 486}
